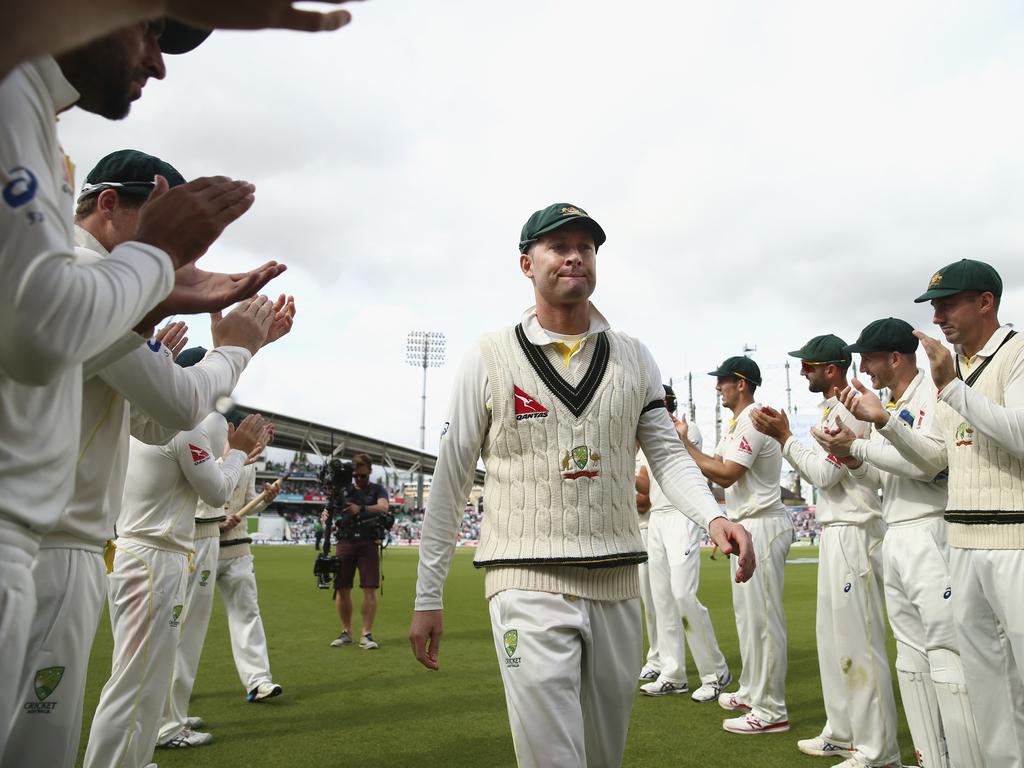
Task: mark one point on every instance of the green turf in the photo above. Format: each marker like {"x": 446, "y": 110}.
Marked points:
{"x": 349, "y": 707}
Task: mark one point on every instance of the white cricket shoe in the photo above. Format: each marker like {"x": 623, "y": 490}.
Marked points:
{"x": 265, "y": 690}
{"x": 343, "y": 639}
{"x": 749, "y": 724}
{"x": 187, "y": 738}
{"x": 819, "y": 747}
{"x": 193, "y": 722}
{"x": 730, "y": 702}
{"x": 367, "y": 643}
{"x": 711, "y": 691}
{"x": 649, "y": 673}
{"x": 663, "y": 689}
{"x": 852, "y": 763}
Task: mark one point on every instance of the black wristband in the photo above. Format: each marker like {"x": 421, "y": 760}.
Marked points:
{"x": 362, "y": 509}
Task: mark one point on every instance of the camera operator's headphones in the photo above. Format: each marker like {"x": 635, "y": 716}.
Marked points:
{"x": 670, "y": 398}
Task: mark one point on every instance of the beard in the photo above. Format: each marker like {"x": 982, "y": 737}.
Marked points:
{"x": 102, "y": 75}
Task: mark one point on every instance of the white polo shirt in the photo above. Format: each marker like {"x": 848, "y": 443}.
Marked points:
{"x": 757, "y": 492}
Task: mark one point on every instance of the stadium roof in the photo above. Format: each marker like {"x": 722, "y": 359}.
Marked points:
{"x": 301, "y": 435}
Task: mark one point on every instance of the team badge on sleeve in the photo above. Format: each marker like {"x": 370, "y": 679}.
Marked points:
{"x": 745, "y": 445}
{"x": 199, "y": 455}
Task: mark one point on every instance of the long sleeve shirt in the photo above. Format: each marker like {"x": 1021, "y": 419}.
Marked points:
{"x": 165, "y": 482}
{"x": 55, "y": 311}
{"x": 463, "y": 436}
{"x": 842, "y": 498}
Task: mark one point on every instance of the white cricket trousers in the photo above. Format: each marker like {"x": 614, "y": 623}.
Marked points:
{"x": 195, "y": 618}
{"x": 70, "y": 587}
{"x": 236, "y": 580}
{"x": 919, "y": 599}
{"x": 650, "y": 617}
{"x": 855, "y": 679}
{"x": 17, "y": 607}
{"x": 673, "y": 549}
{"x": 569, "y": 669}
{"x": 761, "y": 619}
{"x": 146, "y": 596}
{"x": 988, "y": 585}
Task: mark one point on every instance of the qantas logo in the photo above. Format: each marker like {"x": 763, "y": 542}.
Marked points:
{"x": 833, "y": 460}
{"x": 745, "y": 445}
{"x": 199, "y": 455}
{"x": 527, "y": 406}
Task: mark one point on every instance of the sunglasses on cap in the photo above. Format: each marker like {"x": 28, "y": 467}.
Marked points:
{"x": 127, "y": 186}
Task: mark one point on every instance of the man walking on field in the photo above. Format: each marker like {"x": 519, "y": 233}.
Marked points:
{"x": 555, "y": 405}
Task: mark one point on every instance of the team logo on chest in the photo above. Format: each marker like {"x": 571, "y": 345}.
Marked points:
{"x": 964, "y": 435}
{"x": 580, "y": 462}
{"x": 527, "y": 406}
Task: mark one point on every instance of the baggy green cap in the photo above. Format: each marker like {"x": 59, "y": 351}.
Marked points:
{"x": 130, "y": 172}
{"x": 739, "y": 367}
{"x": 886, "y": 335}
{"x": 963, "y": 275}
{"x": 180, "y": 38}
{"x": 828, "y": 348}
{"x": 555, "y": 216}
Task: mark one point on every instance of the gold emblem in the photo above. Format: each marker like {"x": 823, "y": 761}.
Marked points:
{"x": 572, "y": 211}
{"x": 936, "y": 280}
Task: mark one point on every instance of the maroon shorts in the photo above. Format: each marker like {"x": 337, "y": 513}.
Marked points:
{"x": 364, "y": 555}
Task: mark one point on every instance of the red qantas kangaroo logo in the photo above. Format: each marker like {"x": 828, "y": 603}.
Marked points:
{"x": 199, "y": 455}
{"x": 527, "y": 406}
{"x": 745, "y": 445}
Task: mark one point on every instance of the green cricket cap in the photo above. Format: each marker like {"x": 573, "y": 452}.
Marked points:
{"x": 739, "y": 367}
{"x": 554, "y": 217}
{"x": 189, "y": 357}
{"x": 886, "y": 335}
{"x": 180, "y": 38}
{"x": 963, "y": 275}
{"x": 130, "y": 172}
{"x": 825, "y": 349}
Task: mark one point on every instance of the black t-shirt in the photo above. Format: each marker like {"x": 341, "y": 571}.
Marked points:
{"x": 367, "y": 497}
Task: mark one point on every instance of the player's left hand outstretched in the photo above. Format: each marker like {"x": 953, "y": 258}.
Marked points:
{"x": 733, "y": 539}
{"x": 425, "y": 637}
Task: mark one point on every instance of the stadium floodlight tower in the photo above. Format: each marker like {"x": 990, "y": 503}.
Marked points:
{"x": 424, "y": 349}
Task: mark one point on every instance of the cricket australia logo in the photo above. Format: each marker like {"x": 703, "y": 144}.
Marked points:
{"x": 511, "y": 641}
{"x": 204, "y": 576}
{"x": 964, "y": 435}
{"x": 45, "y": 683}
{"x": 580, "y": 462}
{"x": 527, "y": 406}
{"x": 175, "y": 615}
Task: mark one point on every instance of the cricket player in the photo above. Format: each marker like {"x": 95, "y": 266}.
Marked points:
{"x": 918, "y": 593}
{"x": 673, "y": 551}
{"x": 555, "y": 406}
{"x": 855, "y": 680}
{"x": 651, "y": 669}
{"x": 978, "y": 432}
{"x": 146, "y": 591}
{"x": 57, "y": 314}
{"x": 748, "y": 465}
{"x": 69, "y": 571}
{"x": 236, "y": 582}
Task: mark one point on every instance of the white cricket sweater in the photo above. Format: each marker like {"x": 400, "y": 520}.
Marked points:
{"x": 908, "y": 492}
{"x": 236, "y": 541}
{"x": 979, "y": 434}
{"x": 842, "y": 498}
{"x": 55, "y": 312}
{"x": 463, "y": 438}
{"x": 165, "y": 482}
{"x": 172, "y": 398}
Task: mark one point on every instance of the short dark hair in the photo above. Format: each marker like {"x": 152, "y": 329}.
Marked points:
{"x": 86, "y": 205}
{"x": 362, "y": 460}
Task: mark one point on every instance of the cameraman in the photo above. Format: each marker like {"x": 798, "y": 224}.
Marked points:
{"x": 360, "y": 531}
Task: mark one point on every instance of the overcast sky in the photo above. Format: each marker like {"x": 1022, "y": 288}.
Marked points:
{"x": 765, "y": 172}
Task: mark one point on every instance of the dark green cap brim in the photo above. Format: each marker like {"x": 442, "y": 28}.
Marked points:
{"x": 938, "y": 293}
{"x": 593, "y": 226}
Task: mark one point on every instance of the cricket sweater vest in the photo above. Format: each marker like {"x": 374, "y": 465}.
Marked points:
{"x": 559, "y": 497}
{"x": 236, "y": 542}
{"x": 986, "y": 483}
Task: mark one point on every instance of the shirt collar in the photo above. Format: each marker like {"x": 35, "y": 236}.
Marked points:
{"x": 993, "y": 343}
{"x": 84, "y": 239}
{"x": 62, "y": 93}
{"x": 536, "y": 334}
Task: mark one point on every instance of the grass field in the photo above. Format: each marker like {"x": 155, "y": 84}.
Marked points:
{"x": 349, "y": 707}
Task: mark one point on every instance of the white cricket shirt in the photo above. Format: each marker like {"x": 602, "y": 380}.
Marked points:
{"x": 757, "y": 492}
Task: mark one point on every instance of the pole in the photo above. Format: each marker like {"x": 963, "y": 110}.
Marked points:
{"x": 423, "y": 431}
{"x": 693, "y": 407}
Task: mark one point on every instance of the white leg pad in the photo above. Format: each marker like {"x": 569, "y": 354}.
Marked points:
{"x": 921, "y": 706}
{"x": 957, "y": 716}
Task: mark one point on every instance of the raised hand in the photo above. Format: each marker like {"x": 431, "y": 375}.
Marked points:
{"x": 257, "y": 14}
{"x": 837, "y": 442}
{"x": 173, "y": 337}
{"x": 284, "y": 316}
{"x": 245, "y": 326}
{"x": 864, "y": 404}
{"x": 247, "y": 435}
{"x": 939, "y": 358}
{"x": 771, "y": 422}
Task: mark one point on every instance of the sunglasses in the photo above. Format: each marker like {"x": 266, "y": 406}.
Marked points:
{"x": 127, "y": 186}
